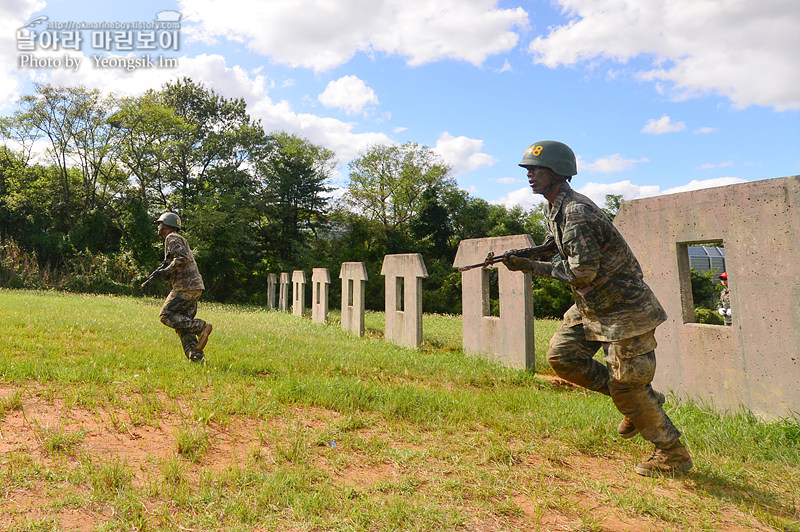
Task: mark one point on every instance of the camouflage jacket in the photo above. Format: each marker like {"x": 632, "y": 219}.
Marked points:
{"x": 725, "y": 306}
{"x": 606, "y": 279}
{"x": 181, "y": 268}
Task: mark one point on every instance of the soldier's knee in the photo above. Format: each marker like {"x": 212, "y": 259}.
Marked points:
{"x": 164, "y": 317}
{"x": 558, "y": 361}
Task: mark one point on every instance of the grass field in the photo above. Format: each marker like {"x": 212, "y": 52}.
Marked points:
{"x": 297, "y": 426}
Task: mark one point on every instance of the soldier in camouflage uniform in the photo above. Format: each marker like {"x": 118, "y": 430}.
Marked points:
{"x": 180, "y": 307}
{"x": 614, "y": 308}
{"x": 725, "y": 300}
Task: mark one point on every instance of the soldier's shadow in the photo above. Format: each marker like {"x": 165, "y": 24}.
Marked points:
{"x": 749, "y": 495}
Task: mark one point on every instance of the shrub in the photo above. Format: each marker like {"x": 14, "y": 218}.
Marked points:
{"x": 707, "y": 315}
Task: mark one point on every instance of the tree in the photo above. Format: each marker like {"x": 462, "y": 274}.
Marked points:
{"x": 148, "y": 138}
{"x": 82, "y": 182}
{"x": 72, "y": 121}
{"x": 387, "y": 183}
{"x": 612, "y": 205}
{"x": 293, "y": 187}
{"x": 214, "y": 143}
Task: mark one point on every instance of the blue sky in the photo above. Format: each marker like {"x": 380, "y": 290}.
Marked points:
{"x": 654, "y": 96}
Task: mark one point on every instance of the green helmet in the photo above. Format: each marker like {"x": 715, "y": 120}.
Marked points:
{"x": 551, "y": 154}
{"x": 171, "y": 219}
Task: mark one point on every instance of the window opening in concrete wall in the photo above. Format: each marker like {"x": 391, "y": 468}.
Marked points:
{"x": 699, "y": 265}
{"x": 400, "y": 287}
{"x": 319, "y": 296}
{"x": 491, "y": 292}
{"x": 350, "y": 286}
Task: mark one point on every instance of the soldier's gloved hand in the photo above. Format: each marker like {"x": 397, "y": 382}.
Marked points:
{"x": 515, "y": 263}
{"x": 721, "y": 311}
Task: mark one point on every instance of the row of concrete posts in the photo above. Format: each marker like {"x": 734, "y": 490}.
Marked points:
{"x": 507, "y": 337}
{"x": 403, "y": 279}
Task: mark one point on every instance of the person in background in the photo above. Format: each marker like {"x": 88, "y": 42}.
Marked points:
{"x": 725, "y": 300}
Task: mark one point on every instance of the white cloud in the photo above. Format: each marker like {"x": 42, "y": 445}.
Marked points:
{"x": 506, "y": 180}
{"x": 348, "y": 93}
{"x": 704, "y": 130}
{"x": 662, "y": 125}
{"x": 708, "y": 166}
{"x": 461, "y": 153}
{"x": 701, "y": 184}
{"x": 323, "y": 35}
{"x": 399, "y": 129}
{"x": 597, "y": 191}
{"x": 13, "y": 15}
{"x": 609, "y": 164}
{"x": 522, "y": 197}
{"x": 696, "y": 46}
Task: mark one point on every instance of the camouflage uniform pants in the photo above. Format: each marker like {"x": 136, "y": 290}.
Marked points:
{"x": 626, "y": 376}
{"x": 179, "y": 312}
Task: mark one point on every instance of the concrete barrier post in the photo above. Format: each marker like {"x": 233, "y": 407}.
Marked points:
{"x": 320, "y": 282}
{"x": 509, "y": 337}
{"x": 354, "y": 282}
{"x": 272, "y": 285}
{"x": 299, "y": 292}
{"x": 283, "y": 303}
{"x": 404, "y": 274}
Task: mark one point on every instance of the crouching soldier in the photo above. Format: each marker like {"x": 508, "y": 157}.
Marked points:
{"x": 180, "y": 307}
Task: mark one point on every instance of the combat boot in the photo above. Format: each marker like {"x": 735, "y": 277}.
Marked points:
{"x": 669, "y": 461}
{"x": 202, "y": 338}
{"x": 627, "y": 429}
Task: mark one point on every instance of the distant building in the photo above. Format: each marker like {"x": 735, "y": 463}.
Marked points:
{"x": 704, "y": 258}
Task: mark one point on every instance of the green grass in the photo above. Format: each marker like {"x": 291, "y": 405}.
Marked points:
{"x": 301, "y": 426}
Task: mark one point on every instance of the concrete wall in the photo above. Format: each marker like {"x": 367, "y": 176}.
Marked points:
{"x": 509, "y": 337}
{"x": 320, "y": 283}
{"x": 404, "y": 298}
{"x": 755, "y": 362}
{"x": 354, "y": 282}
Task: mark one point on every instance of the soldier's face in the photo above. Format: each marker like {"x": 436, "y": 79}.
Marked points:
{"x": 159, "y": 228}
{"x": 539, "y": 179}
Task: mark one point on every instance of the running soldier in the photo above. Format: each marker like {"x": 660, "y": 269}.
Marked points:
{"x": 614, "y": 308}
{"x": 180, "y": 307}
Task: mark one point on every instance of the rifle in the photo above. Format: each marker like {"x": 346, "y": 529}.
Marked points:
{"x": 544, "y": 251}
{"x": 155, "y": 273}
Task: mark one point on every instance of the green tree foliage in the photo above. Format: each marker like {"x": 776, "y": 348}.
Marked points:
{"x": 387, "y": 183}
{"x": 612, "y": 205}
{"x": 551, "y": 298}
{"x": 705, "y": 294}
{"x": 705, "y": 289}
{"x": 294, "y": 193}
